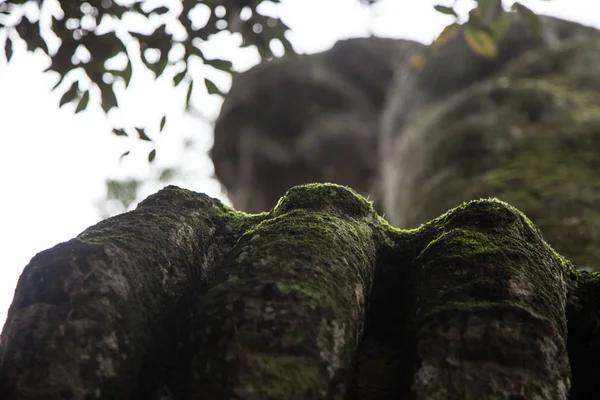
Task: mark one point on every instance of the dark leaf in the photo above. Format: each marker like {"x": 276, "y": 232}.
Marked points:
{"x": 168, "y": 174}
{"x": 152, "y": 155}
{"x": 417, "y": 61}
{"x": 159, "y": 39}
{"x": 481, "y": 42}
{"x": 222, "y": 65}
{"x": 58, "y": 26}
{"x": 529, "y": 16}
{"x": 445, "y": 10}
{"x": 60, "y": 80}
{"x": 449, "y": 33}
{"x": 61, "y": 61}
{"x": 124, "y": 154}
{"x": 8, "y": 50}
{"x": 145, "y": 61}
{"x": 197, "y": 52}
{"x": 30, "y": 33}
{"x": 271, "y": 28}
{"x": 188, "y": 95}
{"x": 485, "y": 14}
{"x": 109, "y": 100}
{"x": 137, "y": 7}
{"x": 70, "y": 94}
{"x": 139, "y": 36}
{"x": 120, "y": 132}
{"x": 103, "y": 47}
{"x": 127, "y": 72}
{"x": 500, "y": 26}
{"x": 163, "y": 121}
{"x": 124, "y": 191}
{"x": 83, "y": 102}
{"x": 212, "y": 88}
{"x": 179, "y": 77}
{"x": 142, "y": 134}
{"x": 160, "y": 10}
{"x": 159, "y": 67}
{"x": 287, "y": 45}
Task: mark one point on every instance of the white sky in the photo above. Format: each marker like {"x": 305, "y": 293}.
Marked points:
{"x": 53, "y": 164}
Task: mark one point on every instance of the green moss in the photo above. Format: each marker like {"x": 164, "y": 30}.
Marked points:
{"x": 587, "y": 290}
{"x": 463, "y": 234}
{"x": 556, "y": 185}
{"x": 301, "y": 272}
{"x": 314, "y": 257}
{"x": 487, "y": 251}
{"x": 460, "y": 243}
{"x": 324, "y": 197}
{"x": 298, "y": 233}
{"x": 553, "y": 176}
{"x": 238, "y": 221}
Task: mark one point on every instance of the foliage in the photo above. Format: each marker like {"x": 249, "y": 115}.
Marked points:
{"x": 168, "y": 36}
{"x": 488, "y": 23}
{"x": 120, "y": 195}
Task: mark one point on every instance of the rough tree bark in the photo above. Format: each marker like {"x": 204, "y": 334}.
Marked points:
{"x": 185, "y": 298}
{"x": 320, "y": 298}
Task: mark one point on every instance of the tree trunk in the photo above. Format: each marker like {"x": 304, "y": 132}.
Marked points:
{"x": 321, "y": 298}
{"x": 184, "y": 298}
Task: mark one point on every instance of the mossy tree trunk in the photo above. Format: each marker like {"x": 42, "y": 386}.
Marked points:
{"x": 321, "y": 298}
{"x": 318, "y": 299}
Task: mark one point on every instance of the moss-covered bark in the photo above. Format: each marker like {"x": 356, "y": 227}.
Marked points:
{"x": 529, "y": 136}
{"x": 318, "y": 299}
{"x": 94, "y": 317}
{"x": 286, "y": 320}
{"x": 526, "y": 132}
{"x": 489, "y": 308}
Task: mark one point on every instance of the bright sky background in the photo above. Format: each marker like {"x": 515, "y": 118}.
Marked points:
{"x": 53, "y": 164}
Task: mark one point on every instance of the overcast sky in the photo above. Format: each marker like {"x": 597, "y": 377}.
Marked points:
{"x": 53, "y": 164}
